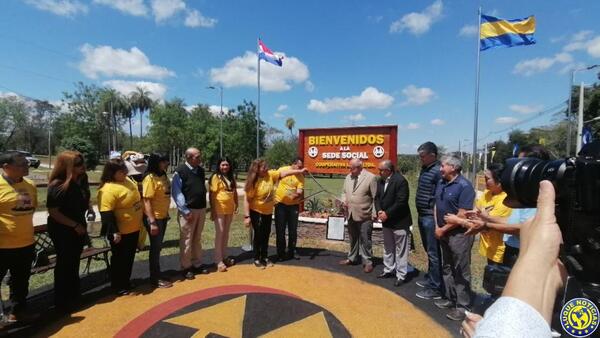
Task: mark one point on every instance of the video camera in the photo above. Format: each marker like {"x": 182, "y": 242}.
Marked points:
{"x": 577, "y": 184}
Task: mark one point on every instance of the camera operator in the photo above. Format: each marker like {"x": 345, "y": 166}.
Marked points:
{"x": 525, "y": 308}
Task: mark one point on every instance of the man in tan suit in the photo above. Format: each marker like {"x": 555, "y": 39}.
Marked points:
{"x": 360, "y": 187}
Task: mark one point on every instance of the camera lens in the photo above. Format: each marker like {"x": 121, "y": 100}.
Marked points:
{"x": 522, "y": 176}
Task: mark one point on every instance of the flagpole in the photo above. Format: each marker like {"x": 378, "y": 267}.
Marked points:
{"x": 476, "y": 117}
{"x": 258, "y": 113}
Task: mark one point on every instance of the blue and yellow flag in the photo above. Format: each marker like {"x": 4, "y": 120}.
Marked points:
{"x": 506, "y": 33}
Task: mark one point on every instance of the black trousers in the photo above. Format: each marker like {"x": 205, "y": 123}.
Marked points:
{"x": 262, "y": 230}
{"x": 121, "y": 261}
{"x": 156, "y": 243}
{"x": 68, "y": 247}
{"x": 286, "y": 216}
{"x": 18, "y": 262}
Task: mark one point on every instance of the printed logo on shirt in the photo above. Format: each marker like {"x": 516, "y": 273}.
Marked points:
{"x": 24, "y": 202}
{"x": 579, "y": 317}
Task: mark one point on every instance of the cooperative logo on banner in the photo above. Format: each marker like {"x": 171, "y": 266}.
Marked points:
{"x": 579, "y": 317}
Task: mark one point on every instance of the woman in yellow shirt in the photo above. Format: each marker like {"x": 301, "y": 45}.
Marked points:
{"x": 259, "y": 203}
{"x": 121, "y": 214}
{"x": 223, "y": 203}
{"x": 156, "y": 193}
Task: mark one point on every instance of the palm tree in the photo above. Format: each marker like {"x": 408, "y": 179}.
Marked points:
{"x": 290, "y": 123}
{"x": 141, "y": 101}
{"x": 113, "y": 102}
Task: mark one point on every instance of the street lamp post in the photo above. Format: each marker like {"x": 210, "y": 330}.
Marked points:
{"x": 107, "y": 116}
{"x": 220, "y": 120}
{"x": 570, "y": 125}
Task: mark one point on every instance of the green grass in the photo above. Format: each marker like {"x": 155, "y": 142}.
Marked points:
{"x": 239, "y": 237}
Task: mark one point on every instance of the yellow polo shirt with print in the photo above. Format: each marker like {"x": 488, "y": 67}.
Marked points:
{"x": 262, "y": 195}
{"x": 122, "y": 198}
{"x": 224, "y": 203}
{"x": 491, "y": 244}
{"x": 158, "y": 190}
{"x": 287, "y": 186}
{"x": 17, "y": 205}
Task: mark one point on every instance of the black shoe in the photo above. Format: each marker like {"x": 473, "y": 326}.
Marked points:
{"x": 428, "y": 294}
{"x": 122, "y": 292}
{"x": 399, "y": 282}
{"x": 188, "y": 274}
{"x": 201, "y": 270}
{"x": 444, "y": 303}
{"x": 268, "y": 263}
{"x": 456, "y": 314}
{"x": 281, "y": 258}
{"x": 293, "y": 256}
{"x": 162, "y": 284}
{"x": 259, "y": 264}
{"x": 423, "y": 283}
{"x": 385, "y": 275}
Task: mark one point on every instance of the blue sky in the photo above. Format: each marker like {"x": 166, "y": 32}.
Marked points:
{"x": 410, "y": 63}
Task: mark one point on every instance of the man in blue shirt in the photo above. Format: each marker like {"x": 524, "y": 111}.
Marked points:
{"x": 454, "y": 195}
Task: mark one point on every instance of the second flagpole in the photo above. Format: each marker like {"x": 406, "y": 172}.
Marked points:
{"x": 476, "y": 117}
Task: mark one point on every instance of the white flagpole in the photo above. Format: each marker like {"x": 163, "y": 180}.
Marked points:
{"x": 258, "y": 112}
{"x": 476, "y": 117}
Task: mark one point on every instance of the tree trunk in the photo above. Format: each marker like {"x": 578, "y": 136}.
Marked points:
{"x": 130, "y": 133}
{"x": 141, "y": 120}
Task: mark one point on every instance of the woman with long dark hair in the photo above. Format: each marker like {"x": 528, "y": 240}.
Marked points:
{"x": 223, "y": 199}
{"x": 67, "y": 202}
{"x": 259, "y": 203}
{"x": 121, "y": 214}
{"x": 156, "y": 193}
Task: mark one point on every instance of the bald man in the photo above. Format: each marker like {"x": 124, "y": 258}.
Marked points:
{"x": 360, "y": 188}
{"x": 189, "y": 192}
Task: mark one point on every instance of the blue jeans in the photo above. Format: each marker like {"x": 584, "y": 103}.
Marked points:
{"x": 156, "y": 243}
{"x": 432, "y": 247}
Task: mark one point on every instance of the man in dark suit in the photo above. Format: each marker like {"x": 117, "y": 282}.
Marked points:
{"x": 391, "y": 204}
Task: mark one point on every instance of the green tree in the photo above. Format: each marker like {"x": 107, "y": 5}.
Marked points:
{"x": 290, "y": 123}
{"x": 85, "y": 147}
{"x": 141, "y": 101}
{"x": 13, "y": 115}
{"x": 169, "y": 126}
{"x": 282, "y": 151}
{"x": 117, "y": 106}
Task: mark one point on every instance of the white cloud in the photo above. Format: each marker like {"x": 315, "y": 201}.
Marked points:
{"x": 507, "y": 120}
{"x": 468, "y": 30}
{"x": 593, "y": 47}
{"x": 157, "y": 90}
{"x": 165, "y": 9}
{"x": 538, "y": 65}
{"x": 278, "y": 115}
{"x": 216, "y": 110}
{"x": 418, "y": 22}
{"x": 413, "y": 126}
{"x": 438, "y": 122}
{"x": 416, "y": 96}
{"x": 355, "y": 117}
{"x": 241, "y": 71}
{"x": 68, "y": 8}
{"x": 370, "y": 98}
{"x": 282, "y": 107}
{"x": 131, "y": 7}
{"x": 388, "y": 114}
{"x": 525, "y": 109}
{"x": 109, "y": 61}
{"x": 195, "y": 19}
{"x": 309, "y": 86}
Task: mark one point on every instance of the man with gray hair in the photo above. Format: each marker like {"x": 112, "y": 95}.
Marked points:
{"x": 454, "y": 195}
{"x": 189, "y": 192}
{"x": 391, "y": 203}
{"x": 360, "y": 188}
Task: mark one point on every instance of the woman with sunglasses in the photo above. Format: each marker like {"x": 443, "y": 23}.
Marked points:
{"x": 223, "y": 199}
{"x": 121, "y": 214}
{"x": 67, "y": 202}
{"x": 156, "y": 192}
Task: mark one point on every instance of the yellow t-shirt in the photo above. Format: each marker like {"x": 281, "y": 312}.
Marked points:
{"x": 158, "y": 190}
{"x": 287, "y": 186}
{"x": 491, "y": 244}
{"x": 262, "y": 195}
{"x": 124, "y": 200}
{"x": 17, "y": 205}
{"x": 224, "y": 202}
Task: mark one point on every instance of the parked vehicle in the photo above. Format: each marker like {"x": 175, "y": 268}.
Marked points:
{"x": 33, "y": 161}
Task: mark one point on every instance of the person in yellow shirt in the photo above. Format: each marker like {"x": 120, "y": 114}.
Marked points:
{"x": 156, "y": 193}
{"x": 223, "y": 199}
{"x": 259, "y": 203}
{"x": 121, "y": 214}
{"x": 489, "y": 208}
{"x": 287, "y": 207}
{"x": 18, "y": 200}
